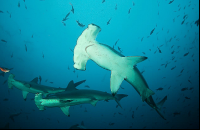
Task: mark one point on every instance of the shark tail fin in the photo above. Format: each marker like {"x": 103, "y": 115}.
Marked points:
{"x": 10, "y": 79}
{"x": 118, "y": 97}
{"x": 159, "y": 105}
{"x": 38, "y": 97}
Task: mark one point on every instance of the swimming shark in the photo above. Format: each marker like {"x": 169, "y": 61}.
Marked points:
{"x": 121, "y": 67}
{"x": 34, "y": 87}
{"x": 77, "y": 126}
{"x": 73, "y": 96}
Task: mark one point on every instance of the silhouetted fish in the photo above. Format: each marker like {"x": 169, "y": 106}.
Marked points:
{"x": 186, "y": 54}
{"x": 159, "y": 89}
{"x": 109, "y": 21}
{"x": 152, "y": 31}
{"x": 3, "y": 40}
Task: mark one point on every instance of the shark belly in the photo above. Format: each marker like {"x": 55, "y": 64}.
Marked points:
{"x": 103, "y": 56}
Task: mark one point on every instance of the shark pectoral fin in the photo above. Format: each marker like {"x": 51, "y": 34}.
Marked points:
{"x": 10, "y": 79}
{"x": 159, "y": 104}
{"x": 115, "y": 82}
{"x": 94, "y": 102}
{"x": 24, "y": 93}
{"x": 65, "y": 110}
{"x": 133, "y": 60}
{"x": 145, "y": 94}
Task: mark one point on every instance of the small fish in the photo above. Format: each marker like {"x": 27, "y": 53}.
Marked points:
{"x": 189, "y": 81}
{"x": 129, "y": 11}
{"x": 46, "y": 80}
{"x": 172, "y": 52}
{"x": 152, "y": 31}
{"x": 43, "y": 55}
{"x": 11, "y": 55}
{"x": 74, "y": 71}
{"x": 5, "y": 70}
{"x": 142, "y": 71}
{"x": 183, "y": 89}
{"x": 71, "y": 50}
{"x": 111, "y": 123}
{"x": 159, "y": 89}
{"x": 51, "y": 82}
{"x": 5, "y": 99}
{"x": 4, "y": 82}
{"x": 1, "y": 11}
{"x": 25, "y": 7}
{"x": 159, "y": 50}
{"x": 80, "y": 24}
{"x": 116, "y": 7}
{"x": 119, "y": 113}
{"x": 133, "y": 4}
{"x": 64, "y": 24}
{"x": 186, "y": 54}
{"x": 187, "y": 98}
{"x": 109, "y": 21}
{"x": 87, "y": 86}
{"x": 143, "y": 53}
{"x": 68, "y": 68}
{"x": 181, "y": 70}
{"x": 19, "y": 4}
{"x": 176, "y": 113}
{"x": 116, "y": 42}
{"x": 142, "y": 39}
{"x": 72, "y": 8}
{"x": 64, "y": 19}
{"x": 25, "y": 47}
{"x": 103, "y": 1}
{"x": 32, "y": 36}
{"x": 3, "y": 40}
{"x": 173, "y": 67}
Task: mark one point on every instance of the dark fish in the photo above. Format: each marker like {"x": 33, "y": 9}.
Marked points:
{"x": 68, "y": 68}
{"x": 159, "y": 89}
{"x": 142, "y": 39}
{"x": 11, "y": 55}
{"x": 64, "y": 24}
{"x": 129, "y": 11}
{"x": 3, "y": 40}
{"x": 173, "y": 67}
{"x": 119, "y": 113}
{"x": 109, "y": 21}
{"x": 183, "y": 89}
{"x": 182, "y": 22}
{"x": 72, "y": 8}
{"x": 13, "y": 115}
{"x": 189, "y": 81}
{"x": 80, "y": 24}
{"x": 25, "y": 7}
{"x": 116, "y": 7}
{"x": 155, "y": 52}
{"x": 64, "y": 19}
{"x": 18, "y": 4}
{"x": 103, "y": 1}
{"x": 42, "y": 54}
{"x": 1, "y": 11}
{"x": 25, "y": 47}
{"x": 181, "y": 70}
{"x": 24, "y": 0}
{"x": 159, "y": 50}
{"x": 51, "y": 82}
{"x": 176, "y": 113}
{"x": 187, "y": 98}
{"x": 71, "y": 50}
{"x": 133, "y": 4}
{"x": 197, "y": 22}
{"x": 40, "y": 78}
{"x": 152, "y": 31}
{"x": 74, "y": 71}
{"x": 143, "y": 53}
{"x": 116, "y": 42}
{"x": 172, "y": 52}
{"x": 111, "y": 123}
{"x": 191, "y": 88}
{"x": 169, "y": 87}
{"x": 4, "y": 82}
{"x": 142, "y": 71}
{"x": 5, "y": 99}
{"x": 186, "y": 54}
{"x": 119, "y": 49}
{"x": 137, "y": 107}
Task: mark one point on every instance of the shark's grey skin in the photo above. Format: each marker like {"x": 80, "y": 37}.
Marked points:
{"x": 34, "y": 87}
{"x": 13, "y": 115}
{"x": 77, "y": 126}
{"x": 73, "y": 96}
{"x": 121, "y": 67}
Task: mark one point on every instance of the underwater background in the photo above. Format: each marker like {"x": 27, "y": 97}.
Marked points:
{"x": 36, "y": 41}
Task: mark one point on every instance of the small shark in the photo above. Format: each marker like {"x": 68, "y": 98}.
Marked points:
{"x": 121, "y": 67}
{"x": 34, "y": 87}
{"x": 77, "y": 126}
{"x": 72, "y": 96}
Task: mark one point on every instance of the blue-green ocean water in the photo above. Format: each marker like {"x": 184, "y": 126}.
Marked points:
{"x": 36, "y": 25}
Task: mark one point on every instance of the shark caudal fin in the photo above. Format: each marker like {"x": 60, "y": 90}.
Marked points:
{"x": 10, "y": 79}
{"x": 118, "y": 97}
{"x": 159, "y": 105}
{"x": 38, "y": 97}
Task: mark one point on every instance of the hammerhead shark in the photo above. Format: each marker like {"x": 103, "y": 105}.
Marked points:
{"x": 72, "y": 96}
{"x": 34, "y": 87}
{"x": 121, "y": 67}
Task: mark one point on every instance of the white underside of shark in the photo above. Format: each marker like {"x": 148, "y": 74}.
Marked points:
{"x": 121, "y": 67}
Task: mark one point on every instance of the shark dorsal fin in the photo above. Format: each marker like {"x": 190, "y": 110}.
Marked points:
{"x": 71, "y": 86}
{"x": 35, "y": 80}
